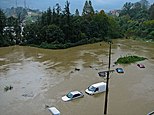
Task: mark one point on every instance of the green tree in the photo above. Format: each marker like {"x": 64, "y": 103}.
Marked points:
{"x": 91, "y": 7}
{"x": 53, "y": 34}
{"x": 77, "y": 12}
{"x": 133, "y": 17}
{"x": 2, "y": 21}
{"x": 126, "y": 9}
{"x": 67, "y": 16}
{"x": 149, "y": 27}
{"x": 60, "y": 29}
{"x": 31, "y": 34}
{"x": 76, "y": 29}
{"x": 11, "y": 21}
{"x": 151, "y": 12}
{"x": 43, "y": 20}
{"x": 58, "y": 15}
{"x": 144, "y": 4}
{"x": 67, "y": 12}
{"x": 3, "y": 40}
{"x": 88, "y": 8}
{"x": 49, "y": 16}
{"x": 103, "y": 24}
{"x": 58, "y": 9}
{"x": 123, "y": 23}
{"x": 54, "y": 16}
{"x": 138, "y": 12}
{"x": 85, "y": 8}
{"x": 114, "y": 28}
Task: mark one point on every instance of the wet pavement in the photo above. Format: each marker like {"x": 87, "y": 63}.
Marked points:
{"x": 40, "y": 77}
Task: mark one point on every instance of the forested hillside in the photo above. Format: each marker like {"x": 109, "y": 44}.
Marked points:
{"x": 58, "y": 28}
{"x": 137, "y": 20}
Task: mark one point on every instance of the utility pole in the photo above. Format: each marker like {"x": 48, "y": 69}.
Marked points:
{"x": 107, "y": 82}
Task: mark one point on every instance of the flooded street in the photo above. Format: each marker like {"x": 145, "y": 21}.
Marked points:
{"x": 40, "y": 77}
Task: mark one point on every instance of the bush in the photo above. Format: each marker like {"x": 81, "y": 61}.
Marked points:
{"x": 129, "y": 59}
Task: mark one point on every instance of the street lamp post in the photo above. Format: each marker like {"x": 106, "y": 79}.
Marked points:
{"x": 107, "y": 82}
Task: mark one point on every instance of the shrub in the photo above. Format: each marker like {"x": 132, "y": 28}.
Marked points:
{"x": 129, "y": 59}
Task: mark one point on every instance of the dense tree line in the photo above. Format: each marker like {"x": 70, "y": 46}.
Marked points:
{"x": 9, "y": 30}
{"x": 58, "y": 28}
{"x": 137, "y": 20}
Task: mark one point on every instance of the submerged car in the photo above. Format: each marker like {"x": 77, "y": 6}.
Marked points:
{"x": 104, "y": 73}
{"x": 72, "y": 95}
{"x": 96, "y": 88}
{"x": 54, "y": 111}
{"x": 140, "y": 65}
{"x": 120, "y": 70}
{"x": 151, "y": 113}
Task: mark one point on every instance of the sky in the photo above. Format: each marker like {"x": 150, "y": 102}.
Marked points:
{"x": 42, "y": 5}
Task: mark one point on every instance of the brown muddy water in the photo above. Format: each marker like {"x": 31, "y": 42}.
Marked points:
{"x": 40, "y": 77}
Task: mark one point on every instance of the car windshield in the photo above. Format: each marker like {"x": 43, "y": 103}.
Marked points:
{"x": 91, "y": 88}
{"x": 69, "y": 95}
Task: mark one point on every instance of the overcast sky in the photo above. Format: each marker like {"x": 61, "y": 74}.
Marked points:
{"x": 106, "y": 5}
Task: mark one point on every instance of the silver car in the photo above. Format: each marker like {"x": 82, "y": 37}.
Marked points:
{"x": 72, "y": 95}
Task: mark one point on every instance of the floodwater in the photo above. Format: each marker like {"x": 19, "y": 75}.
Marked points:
{"x": 40, "y": 77}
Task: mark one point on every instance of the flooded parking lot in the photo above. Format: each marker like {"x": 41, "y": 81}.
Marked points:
{"x": 40, "y": 77}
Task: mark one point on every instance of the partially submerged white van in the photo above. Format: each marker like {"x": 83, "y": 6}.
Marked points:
{"x": 96, "y": 88}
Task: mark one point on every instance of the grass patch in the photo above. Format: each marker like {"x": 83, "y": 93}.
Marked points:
{"x": 129, "y": 59}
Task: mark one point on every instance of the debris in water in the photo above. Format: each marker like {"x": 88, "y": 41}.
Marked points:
{"x": 28, "y": 95}
{"x": 6, "y": 88}
{"x": 47, "y": 106}
{"x": 120, "y": 70}
{"x": 140, "y": 65}
{"x": 76, "y": 69}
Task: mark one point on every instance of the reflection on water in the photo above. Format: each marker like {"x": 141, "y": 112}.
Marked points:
{"x": 40, "y": 77}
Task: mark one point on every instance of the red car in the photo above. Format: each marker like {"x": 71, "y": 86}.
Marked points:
{"x": 140, "y": 65}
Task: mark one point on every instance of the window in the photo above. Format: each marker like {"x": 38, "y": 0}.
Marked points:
{"x": 76, "y": 95}
{"x": 69, "y": 95}
{"x": 91, "y": 88}
{"x": 96, "y": 89}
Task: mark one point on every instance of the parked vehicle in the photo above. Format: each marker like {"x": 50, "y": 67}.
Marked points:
{"x": 72, "y": 95}
{"x": 120, "y": 70}
{"x": 140, "y": 65}
{"x": 104, "y": 73}
{"x": 54, "y": 111}
{"x": 96, "y": 88}
{"x": 151, "y": 113}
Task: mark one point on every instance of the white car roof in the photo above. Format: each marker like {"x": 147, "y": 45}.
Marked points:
{"x": 99, "y": 84}
{"x": 54, "y": 111}
{"x": 75, "y": 92}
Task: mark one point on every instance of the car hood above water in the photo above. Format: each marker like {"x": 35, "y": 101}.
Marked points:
{"x": 65, "y": 98}
{"x": 89, "y": 92}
